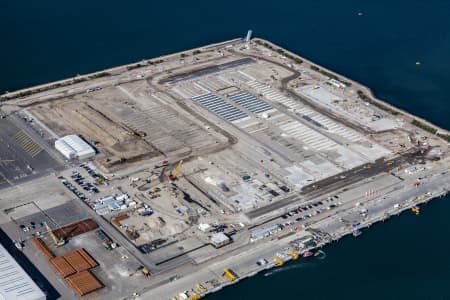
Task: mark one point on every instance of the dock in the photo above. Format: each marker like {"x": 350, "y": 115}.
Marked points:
{"x": 211, "y": 165}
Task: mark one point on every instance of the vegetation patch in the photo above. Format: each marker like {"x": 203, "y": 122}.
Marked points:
{"x": 132, "y": 67}
{"x": 381, "y": 106}
{"x": 424, "y": 126}
{"x": 329, "y": 74}
{"x": 445, "y": 137}
{"x": 280, "y": 51}
{"x": 48, "y": 87}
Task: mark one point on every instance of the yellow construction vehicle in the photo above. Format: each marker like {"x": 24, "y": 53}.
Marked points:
{"x": 57, "y": 242}
{"x": 145, "y": 271}
{"x": 182, "y": 296}
{"x": 293, "y": 254}
{"x": 279, "y": 262}
{"x": 200, "y": 288}
{"x": 229, "y": 274}
{"x": 195, "y": 296}
{"x": 173, "y": 175}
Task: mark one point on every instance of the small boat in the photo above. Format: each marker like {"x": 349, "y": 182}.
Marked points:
{"x": 357, "y": 233}
{"x": 319, "y": 254}
{"x": 307, "y": 254}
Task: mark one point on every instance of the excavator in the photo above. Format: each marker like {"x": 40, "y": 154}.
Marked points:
{"x": 57, "y": 242}
{"x": 173, "y": 175}
{"x": 145, "y": 272}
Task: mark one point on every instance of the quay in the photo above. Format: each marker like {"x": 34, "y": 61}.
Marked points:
{"x": 181, "y": 175}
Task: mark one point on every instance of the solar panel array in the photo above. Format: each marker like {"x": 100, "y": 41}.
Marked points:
{"x": 250, "y": 102}
{"x": 219, "y": 107}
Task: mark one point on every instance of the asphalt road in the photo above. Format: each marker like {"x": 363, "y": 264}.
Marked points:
{"x": 207, "y": 70}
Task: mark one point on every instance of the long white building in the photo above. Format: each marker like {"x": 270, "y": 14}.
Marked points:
{"x": 72, "y": 146}
{"x": 15, "y": 283}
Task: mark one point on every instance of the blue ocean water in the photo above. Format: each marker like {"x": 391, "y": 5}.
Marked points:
{"x": 405, "y": 258}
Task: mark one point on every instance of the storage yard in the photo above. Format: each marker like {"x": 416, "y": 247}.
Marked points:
{"x": 177, "y": 176}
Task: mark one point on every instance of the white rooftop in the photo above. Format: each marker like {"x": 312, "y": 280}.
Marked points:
{"x": 219, "y": 238}
{"x": 73, "y": 146}
{"x": 14, "y": 281}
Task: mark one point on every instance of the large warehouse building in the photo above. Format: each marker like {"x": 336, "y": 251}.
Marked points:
{"x": 14, "y": 281}
{"x": 72, "y": 146}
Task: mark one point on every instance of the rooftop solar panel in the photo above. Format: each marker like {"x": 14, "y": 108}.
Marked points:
{"x": 219, "y": 107}
{"x": 250, "y": 102}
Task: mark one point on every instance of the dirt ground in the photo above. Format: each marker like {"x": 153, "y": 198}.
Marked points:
{"x": 116, "y": 142}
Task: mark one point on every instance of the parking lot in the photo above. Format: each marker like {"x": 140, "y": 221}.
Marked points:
{"x": 22, "y": 156}
{"x": 80, "y": 186}
{"x": 28, "y": 220}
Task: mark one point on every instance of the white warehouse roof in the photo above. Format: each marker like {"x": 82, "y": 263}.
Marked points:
{"x": 72, "y": 146}
{"x": 14, "y": 281}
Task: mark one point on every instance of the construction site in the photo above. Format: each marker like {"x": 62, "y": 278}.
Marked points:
{"x": 210, "y": 165}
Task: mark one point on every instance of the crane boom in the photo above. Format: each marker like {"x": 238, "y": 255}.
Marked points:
{"x": 53, "y": 236}
{"x": 175, "y": 172}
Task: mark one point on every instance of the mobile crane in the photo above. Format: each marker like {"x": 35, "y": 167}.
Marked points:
{"x": 173, "y": 175}
{"x": 57, "y": 242}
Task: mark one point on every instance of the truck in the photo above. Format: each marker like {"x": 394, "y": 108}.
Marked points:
{"x": 107, "y": 242}
{"x": 230, "y": 274}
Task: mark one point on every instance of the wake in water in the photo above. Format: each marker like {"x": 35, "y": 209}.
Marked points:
{"x": 309, "y": 263}
{"x": 322, "y": 255}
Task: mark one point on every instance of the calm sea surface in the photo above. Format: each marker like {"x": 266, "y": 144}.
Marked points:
{"x": 407, "y": 257}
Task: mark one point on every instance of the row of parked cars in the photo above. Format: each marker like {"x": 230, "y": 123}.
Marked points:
{"x": 316, "y": 208}
{"x": 90, "y": 171}
{"x": 73, "y": 189}
{"x": 85, "y": 184}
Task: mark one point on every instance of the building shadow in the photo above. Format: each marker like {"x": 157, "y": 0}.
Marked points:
{"x": 29, "y": 268}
